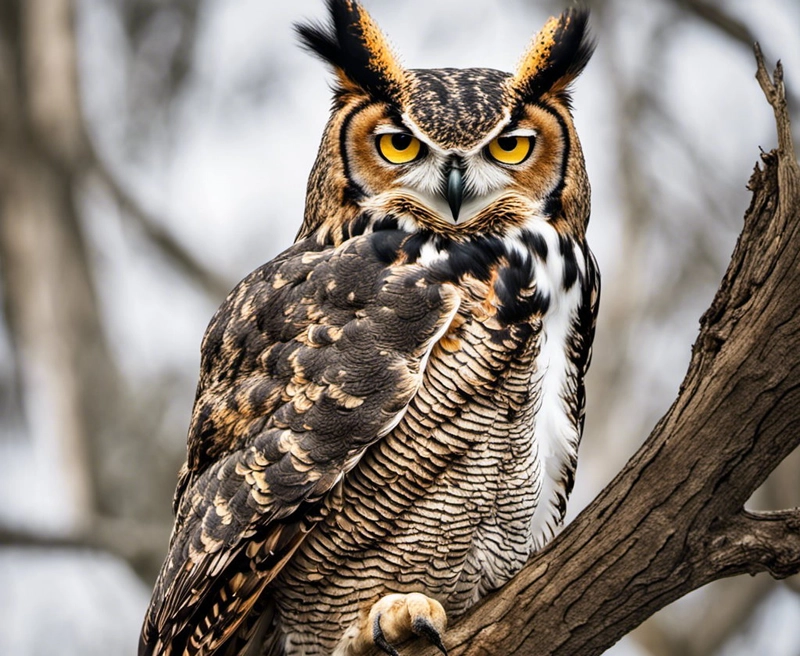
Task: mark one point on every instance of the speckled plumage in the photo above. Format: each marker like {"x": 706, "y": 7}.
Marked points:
{"x": 456, "y": 107}
{"x": 394, "y": 403}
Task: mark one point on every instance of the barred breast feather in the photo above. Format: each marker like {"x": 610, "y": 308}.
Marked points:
{"x": 475, "y": 476}
{"x": 368, "y": 422}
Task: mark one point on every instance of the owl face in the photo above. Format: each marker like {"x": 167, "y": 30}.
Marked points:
{"x": 452, "y": 151}
{"x": 445, "y": 166}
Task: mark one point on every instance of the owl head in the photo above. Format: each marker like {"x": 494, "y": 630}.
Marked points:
{"x": 455, "y": 152}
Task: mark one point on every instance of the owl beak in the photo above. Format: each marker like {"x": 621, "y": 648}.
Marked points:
{"x": 455, "y": 189}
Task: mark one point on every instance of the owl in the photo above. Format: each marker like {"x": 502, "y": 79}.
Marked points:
{"x": 388, "y": 413}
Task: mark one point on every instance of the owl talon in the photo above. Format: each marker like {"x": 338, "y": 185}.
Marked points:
{"x": 392, "y": 620}
{"x": 420, "y": 625}
{"x": 423, "y": 627}
{"x": 398, "y": 617}
{"x": 380, "y": 639}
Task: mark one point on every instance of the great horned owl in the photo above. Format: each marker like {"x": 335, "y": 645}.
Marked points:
{"x": 388, "y": 413}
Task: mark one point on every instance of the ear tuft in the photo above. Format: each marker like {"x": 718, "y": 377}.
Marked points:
{"x": 556, "y": 56}
{"x": 353, "y": 44}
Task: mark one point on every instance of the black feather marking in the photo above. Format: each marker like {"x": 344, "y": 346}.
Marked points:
{"x": 570, "y": 262}
{"x": 475, "y": 257}
{"x": 569, "y": 482}
{"x": 561, "y": 500}
{"x": 386, "y": 245}
{"x": 341, "y": 44}
{"x": 572, "y": 48}
{"x": 352, "y": 191}
{"x": 553, "y": 204}
{"x": 413, "y": 245}
{"x": 359, "y": 224}
{"x": 587, "y": 312}
{"x": 386, "y": 223}
{"x": 518, "y": 303}
{"x": 536, "y": 243}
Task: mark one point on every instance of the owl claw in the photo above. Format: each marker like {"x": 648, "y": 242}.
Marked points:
{"x": 423, "y": 627}
{"x": 401, "y": 617}
{"x": 379, "y": 639}
{"x": 391, "y": 620}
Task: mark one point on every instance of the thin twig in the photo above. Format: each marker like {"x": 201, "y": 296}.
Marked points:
{"x": 729, "y": 25}
{"x": 215, "y": 285}
{"x": 775, "y": 91}
{"x": 788, "y": 168}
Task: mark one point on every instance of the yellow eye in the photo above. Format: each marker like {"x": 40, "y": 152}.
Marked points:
{"x": 510, "y": 150}
{"x": 398, "y": 147}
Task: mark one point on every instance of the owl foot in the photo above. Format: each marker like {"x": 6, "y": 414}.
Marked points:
{"x": 398, "y": 617}
{"x": 394, "y": 619}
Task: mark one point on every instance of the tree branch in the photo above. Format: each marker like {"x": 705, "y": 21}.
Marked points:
{"x": 715, "y": 16}
{"x": 775, "y": 91}
{"x": 750, "y": 543}
{"x": 214, "y": 284}
{"x": 140, "y": 543}
{"x": 723, "y": 21}
{"x": 673, "y": 519}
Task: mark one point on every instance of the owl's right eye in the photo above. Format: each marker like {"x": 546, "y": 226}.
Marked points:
{"x": 399, "y": 147}
{"x": 510, "y": 150}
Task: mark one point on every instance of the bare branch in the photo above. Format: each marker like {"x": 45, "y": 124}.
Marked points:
{"x": 775, "y": 91}
{"x": 140, "y": 543}
{"x": 754, "y": 542}
{"x": 730, "y": 26}
{"x": 212, "y": 282}
{"x": 719, "y": 18}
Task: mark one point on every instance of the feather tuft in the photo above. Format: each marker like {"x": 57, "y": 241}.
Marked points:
{"x": 556, "y": 56}
{"x": 353, "y": 44}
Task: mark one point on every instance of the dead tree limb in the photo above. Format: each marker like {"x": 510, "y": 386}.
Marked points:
{"x": 674, "y": 519}
{"x": 719, "y": 18}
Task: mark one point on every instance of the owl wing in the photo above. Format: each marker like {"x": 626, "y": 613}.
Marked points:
{"x": 580, "y": 346}
{"x": 311, "y": 359}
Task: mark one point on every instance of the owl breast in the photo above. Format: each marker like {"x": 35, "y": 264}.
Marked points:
{"x": 472, "y": 480}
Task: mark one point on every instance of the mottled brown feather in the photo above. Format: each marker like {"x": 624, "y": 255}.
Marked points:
{"x": 331, "y": 326}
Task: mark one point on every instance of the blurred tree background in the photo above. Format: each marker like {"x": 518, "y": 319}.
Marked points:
{"x": 153, "y": 152}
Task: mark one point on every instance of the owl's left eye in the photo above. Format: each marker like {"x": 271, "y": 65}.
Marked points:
{"x": 399, "y": 147}
{"x": 510, "y": 150}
